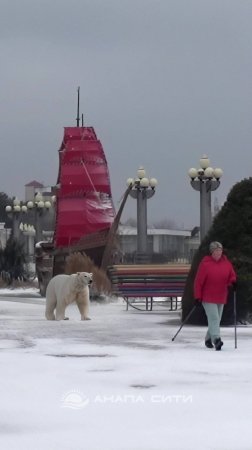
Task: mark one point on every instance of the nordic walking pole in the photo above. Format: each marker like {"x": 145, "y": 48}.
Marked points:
{"x": 183, "y": 323}
{"x": 235, "y": 319}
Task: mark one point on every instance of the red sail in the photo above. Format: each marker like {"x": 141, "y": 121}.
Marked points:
{"x": 84, "y": 201}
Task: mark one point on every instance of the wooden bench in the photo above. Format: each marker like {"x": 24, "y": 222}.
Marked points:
{"x": 143, "y": 283}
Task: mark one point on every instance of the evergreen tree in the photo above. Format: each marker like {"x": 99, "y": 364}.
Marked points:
{"x": 4, "y": 201}
{"x": 232, "y": 227}
{"x": 12, "y": 261}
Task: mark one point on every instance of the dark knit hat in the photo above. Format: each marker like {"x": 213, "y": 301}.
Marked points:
{"x": 214, "y": 245}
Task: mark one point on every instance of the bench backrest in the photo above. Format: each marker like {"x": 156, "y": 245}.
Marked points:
{"x": 148, "y": 279}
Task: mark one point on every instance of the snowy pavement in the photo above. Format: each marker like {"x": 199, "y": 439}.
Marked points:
{"x": 118, "y": 382}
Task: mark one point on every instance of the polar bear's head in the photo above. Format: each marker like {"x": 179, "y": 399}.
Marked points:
{"x": 83, "y": 279}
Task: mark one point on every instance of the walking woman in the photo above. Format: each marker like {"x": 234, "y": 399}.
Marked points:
{"x": 215, "y": 274}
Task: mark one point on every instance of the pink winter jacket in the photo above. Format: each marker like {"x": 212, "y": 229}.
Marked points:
{"x": 212, "y": 280}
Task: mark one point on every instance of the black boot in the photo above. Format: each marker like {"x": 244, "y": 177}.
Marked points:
{"x": 208, "y": 343}
{"x": 218, "y": 344}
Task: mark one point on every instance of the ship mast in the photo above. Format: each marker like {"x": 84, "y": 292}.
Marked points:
{"x": 78, "y": 107}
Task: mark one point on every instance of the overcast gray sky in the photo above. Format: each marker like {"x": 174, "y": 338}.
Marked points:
{"x": 162, "y": 82}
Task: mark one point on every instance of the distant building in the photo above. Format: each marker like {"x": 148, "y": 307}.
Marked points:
{"x": 33, "y": 187}
{"x": 163, "y": 244}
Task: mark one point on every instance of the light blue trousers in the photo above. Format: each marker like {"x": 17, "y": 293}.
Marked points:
{"x": 214, "y": 313}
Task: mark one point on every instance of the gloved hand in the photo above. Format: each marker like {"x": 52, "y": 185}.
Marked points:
{"x": 234, "y": 285}
{"x": 197, "y": 302}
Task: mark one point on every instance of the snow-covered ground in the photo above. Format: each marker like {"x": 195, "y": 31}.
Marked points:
{"x": 118, "y": 382}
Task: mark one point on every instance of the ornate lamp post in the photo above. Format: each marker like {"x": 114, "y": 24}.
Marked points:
{"x": 39, "y": 206}
{"x": 142, "y": 188}
{"x": 30, "y": 232}
{"x": 17, "y": 212}
{"x": 205, "y": 180}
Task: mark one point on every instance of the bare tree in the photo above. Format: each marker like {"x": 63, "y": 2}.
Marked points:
{"x": 168, "y": 224}
{"x": 130, "y": 222}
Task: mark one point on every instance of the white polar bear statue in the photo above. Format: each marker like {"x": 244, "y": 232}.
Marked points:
{"x": 65, "y": 289}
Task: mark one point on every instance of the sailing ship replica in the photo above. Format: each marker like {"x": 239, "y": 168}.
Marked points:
{"x": 85, "y": 215}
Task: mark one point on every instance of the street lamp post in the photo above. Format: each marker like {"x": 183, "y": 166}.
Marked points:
{"x": 29, "y": 232}
{"x": 40, "y": 207}
{"x": 142, "y": 188}
{"x": 18, "y": 212}
{"x": 205, "y": 180}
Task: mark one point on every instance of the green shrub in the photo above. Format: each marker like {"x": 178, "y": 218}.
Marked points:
{"x": 233, "y": 228}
